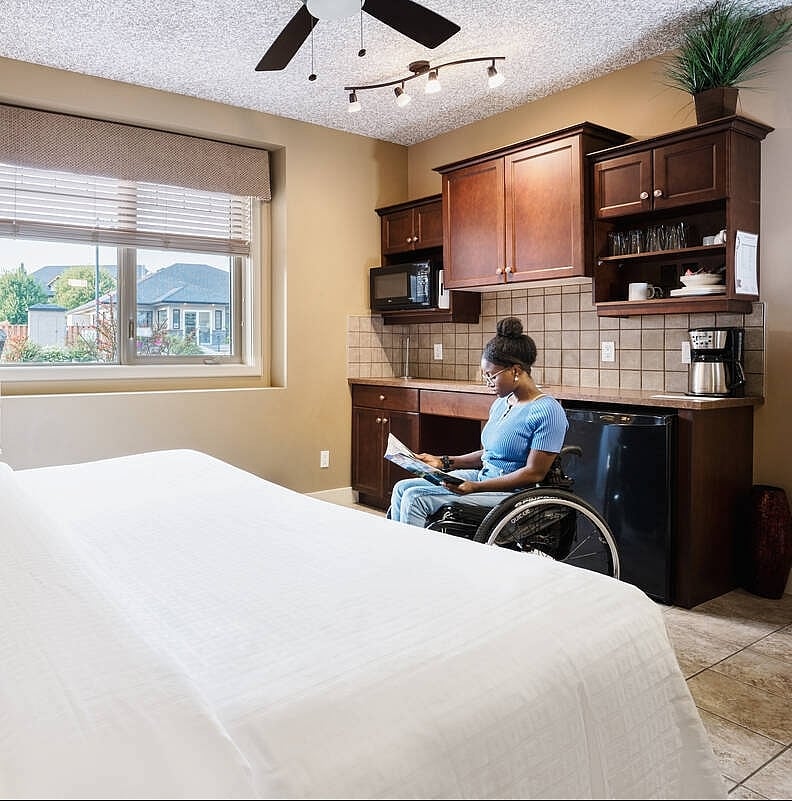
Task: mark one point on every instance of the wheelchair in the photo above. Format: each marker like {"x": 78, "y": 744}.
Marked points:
{"x": 547, "y": 519}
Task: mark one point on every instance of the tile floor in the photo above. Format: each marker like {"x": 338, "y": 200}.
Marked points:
{"x": 736, "y": 653}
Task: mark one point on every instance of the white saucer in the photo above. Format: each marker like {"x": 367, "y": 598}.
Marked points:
{"x": 707, "y": 289}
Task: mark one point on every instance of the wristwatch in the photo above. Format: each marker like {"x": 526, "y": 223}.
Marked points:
{"x": 446, "y": 460}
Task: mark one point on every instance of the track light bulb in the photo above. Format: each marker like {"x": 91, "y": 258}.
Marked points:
{"x": 354, "y": 103}
{"x": 494, "y": 78}
{"x": 432, "y": 84}
{"x": 402, "y": 98}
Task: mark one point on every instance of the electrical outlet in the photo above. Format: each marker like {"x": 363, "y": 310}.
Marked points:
{"x": 608, "y": 351}
{"x": 324, "y": 458}
{"x": 438, "y": 351}
{"x": 685, "y": 353}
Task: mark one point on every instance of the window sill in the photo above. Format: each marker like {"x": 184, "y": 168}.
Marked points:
{"x": 112, "y": 372}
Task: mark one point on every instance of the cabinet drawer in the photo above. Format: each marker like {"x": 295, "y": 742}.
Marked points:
{"x": 400, "y": 399}
{"x": 470, "y": 405}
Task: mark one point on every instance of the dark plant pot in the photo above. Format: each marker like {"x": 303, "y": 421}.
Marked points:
{"x": 769, "y": 551}
{"x": 712, "y": 104}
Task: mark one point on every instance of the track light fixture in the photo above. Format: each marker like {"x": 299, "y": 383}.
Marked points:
{"x": 494, "y": 78}
{"x": 354, "y": 103}
{"x": 402, "y": 98}
{"x": 419, "y": 68}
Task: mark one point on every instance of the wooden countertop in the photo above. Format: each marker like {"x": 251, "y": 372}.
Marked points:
{"x": 632, "y": 397}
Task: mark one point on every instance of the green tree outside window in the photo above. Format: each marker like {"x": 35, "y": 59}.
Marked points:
{"x": 18, "y": 292}
{"x": 77, "y": 285}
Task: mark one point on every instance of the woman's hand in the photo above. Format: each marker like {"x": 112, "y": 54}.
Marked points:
{"x": 432, "y": 461}
{"x": 464, "y": 488}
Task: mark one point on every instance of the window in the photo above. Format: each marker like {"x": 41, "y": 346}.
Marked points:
{"x": 92, "y": 269}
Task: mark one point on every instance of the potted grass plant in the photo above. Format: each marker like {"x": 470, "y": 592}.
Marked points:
{"x": 721, "y": 51}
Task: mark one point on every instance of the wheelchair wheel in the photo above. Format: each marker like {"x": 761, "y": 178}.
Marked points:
{"x": 556, "y": 523}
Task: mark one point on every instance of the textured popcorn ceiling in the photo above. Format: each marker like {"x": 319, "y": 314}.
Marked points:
{"x": 209, "y": 48}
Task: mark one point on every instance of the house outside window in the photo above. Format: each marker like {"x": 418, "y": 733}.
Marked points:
{"x": 135, "y": 284}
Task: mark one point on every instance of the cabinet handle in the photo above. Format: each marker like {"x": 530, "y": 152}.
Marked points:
{"x": 658, "y": 193}
{"x": 379, "y": 419}
{"x": 644, "y": 195}
{"x": 409, "y": 239}
{"x": 382, "y": 397}
{"x": 510, "y": 269}
{"x": 384, "y": 419}
{"x": 499, "y": 271}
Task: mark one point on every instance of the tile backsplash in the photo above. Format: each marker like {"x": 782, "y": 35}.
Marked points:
{"x": 564, "y": 324}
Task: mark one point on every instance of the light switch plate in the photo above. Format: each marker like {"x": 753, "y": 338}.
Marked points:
{"x": 608, "y": 351}
{"x": 686, "y": 353}
{"x": 438, "y": 351}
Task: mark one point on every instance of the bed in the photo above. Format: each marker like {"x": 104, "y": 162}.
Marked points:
{"x": 178, "y": 627}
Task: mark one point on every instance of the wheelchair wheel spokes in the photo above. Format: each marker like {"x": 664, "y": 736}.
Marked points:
{"x": 556, "y": 523}
{"x": 590, "y": 549}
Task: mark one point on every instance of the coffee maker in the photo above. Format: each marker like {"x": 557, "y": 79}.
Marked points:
{"x": 716, "y": 356}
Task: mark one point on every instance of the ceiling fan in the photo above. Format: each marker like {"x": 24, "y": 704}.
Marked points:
{"x": 405, "y": 16}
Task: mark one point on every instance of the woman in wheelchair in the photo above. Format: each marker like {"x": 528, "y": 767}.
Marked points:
{"x": 520, "y": 441}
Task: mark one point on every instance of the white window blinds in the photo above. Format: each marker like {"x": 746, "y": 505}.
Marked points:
{"x": 50, "y": 204}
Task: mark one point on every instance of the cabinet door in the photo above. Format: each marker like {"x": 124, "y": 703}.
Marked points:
{"x": 428, "y": 225}
{"x": 403, "y": 426}
{"x": 397, "y": 231}
{"x": 367, "y": 449}
{"x": 688, "y": 172}
{"x": 473, "y": 225}
{"x": 544, "y": 211}
{"x": 623, "y": 185}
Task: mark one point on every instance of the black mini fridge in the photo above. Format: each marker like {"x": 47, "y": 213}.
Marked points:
{"x": 627, "y": 473}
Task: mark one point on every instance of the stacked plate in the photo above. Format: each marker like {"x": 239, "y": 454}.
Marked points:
{"x": 699, "y": 284}
{"x": 710, "y": 289}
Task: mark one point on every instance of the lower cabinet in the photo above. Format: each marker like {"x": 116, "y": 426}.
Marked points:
{"x": 377, "y": 412}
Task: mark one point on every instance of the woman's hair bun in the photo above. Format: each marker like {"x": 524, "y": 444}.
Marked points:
{"x": 510, "y": 327}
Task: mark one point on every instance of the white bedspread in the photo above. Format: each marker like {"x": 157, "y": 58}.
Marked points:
{"x": 348, "y": 656}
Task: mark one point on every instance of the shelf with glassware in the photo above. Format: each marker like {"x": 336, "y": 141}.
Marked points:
{"x": 661, "y": 254}
{"x": 672, "y": 206}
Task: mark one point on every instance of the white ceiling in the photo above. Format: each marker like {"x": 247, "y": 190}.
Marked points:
{"x": 209, "y": 49}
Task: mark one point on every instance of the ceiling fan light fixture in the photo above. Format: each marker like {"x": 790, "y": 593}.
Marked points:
{"x": 402, "y": 98}
{"x": 354, "y": 103}
{"x": 432, "y": 83}
{"x": 494, "y": 78}
{"x": 332, "y": 9}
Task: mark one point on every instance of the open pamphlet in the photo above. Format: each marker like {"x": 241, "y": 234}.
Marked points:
{"x": 398, "y": 453}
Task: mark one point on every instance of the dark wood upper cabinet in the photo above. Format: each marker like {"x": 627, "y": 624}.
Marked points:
{"x": 662, "y": 177}
{"x": 412, "y": 226}
{"x": 519, "y": 213}
{"x": 707, "y": 177}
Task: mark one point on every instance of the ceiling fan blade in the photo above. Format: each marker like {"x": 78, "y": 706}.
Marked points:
{"x": 289, "y": 41}
{"x": 413, "y": 20}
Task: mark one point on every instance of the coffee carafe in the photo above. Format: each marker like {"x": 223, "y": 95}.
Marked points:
{"x": 716, "y": 356}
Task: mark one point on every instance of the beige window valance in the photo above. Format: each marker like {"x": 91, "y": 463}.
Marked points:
{"x": 49, "y": 140}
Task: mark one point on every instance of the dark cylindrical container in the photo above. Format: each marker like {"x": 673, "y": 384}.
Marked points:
{"x": 769, "y": 552}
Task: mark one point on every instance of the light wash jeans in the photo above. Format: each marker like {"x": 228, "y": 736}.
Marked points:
{"x": 414, "y": 499}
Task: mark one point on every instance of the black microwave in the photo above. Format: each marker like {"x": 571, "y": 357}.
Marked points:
{"x": 404, "y": 286}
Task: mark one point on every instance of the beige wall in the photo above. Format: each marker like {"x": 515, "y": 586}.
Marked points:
{"x": 325, "y": 235}
{"x": 635, "y": 101}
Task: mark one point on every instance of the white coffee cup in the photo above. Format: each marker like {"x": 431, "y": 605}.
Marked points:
{"x": 640, "y": 290}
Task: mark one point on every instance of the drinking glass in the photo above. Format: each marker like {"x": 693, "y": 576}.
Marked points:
{"x": 636, "y": 241}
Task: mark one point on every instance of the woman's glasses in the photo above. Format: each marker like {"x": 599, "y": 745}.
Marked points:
{"x": 489, "y": 378}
